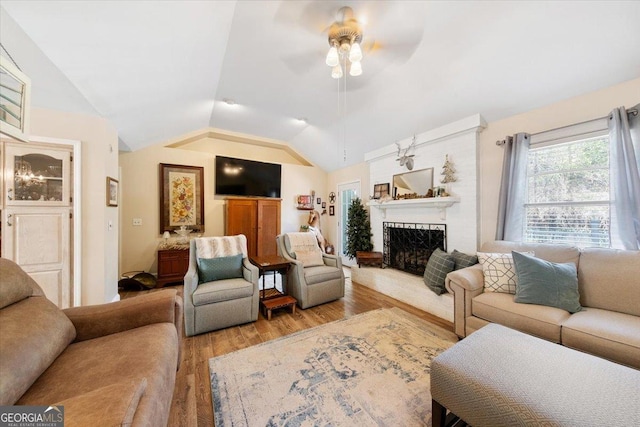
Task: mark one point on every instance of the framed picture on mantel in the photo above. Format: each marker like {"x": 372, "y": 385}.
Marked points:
{"x": 380, "y": 190}
{"x": 181, "y": 197}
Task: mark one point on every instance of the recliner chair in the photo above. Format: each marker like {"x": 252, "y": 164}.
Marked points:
{"x": 222, "y": 302}
{"x": 314, "y": 277}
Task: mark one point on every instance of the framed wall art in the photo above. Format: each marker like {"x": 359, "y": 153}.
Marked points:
{"x": 181, "y": 197}
{"x": 112, "y": 191}
{"x": 380, "y": 190}
{"x": 332, "y": 211}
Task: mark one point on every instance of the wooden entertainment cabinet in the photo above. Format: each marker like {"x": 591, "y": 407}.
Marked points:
{"x": 256, "y": 218}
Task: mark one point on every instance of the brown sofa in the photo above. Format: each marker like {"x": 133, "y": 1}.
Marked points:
{"x": 109, "y": 364}
{"x": 609, "y": 284}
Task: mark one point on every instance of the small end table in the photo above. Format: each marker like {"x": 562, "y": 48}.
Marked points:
{"x": 273, "y": 299}
{"x": 369, "y": 258}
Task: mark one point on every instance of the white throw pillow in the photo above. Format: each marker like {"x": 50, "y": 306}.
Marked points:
{"x": 499, "y": 272}
{"x": 309, "y": 258}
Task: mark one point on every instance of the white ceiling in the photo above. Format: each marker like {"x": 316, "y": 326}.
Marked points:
{"x": 160, "y": 69}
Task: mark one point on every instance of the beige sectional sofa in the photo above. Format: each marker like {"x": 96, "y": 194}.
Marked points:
{"x": 609, "y": 284}
{"x": 108, "y": 364}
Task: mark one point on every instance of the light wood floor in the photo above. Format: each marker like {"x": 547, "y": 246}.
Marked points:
{"x": 192, "y": 405}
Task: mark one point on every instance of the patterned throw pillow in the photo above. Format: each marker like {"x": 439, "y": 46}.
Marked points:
{"x": 439, "y": 265}
{"x": 228, "y": 267}
{"x": 463, "y": 260}
{"x": 499, "y": 272}
{"x": 309, "y": 258}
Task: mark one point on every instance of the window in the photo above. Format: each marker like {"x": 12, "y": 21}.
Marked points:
{"x": 568, "y": 193}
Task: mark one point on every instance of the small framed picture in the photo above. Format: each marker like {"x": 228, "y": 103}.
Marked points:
{"x": 380, "y": 190}
{"x": 332, "y": 211}
{"x": 112, "y": 191}
{"x": 318, "y": 201}
{"x": 324, "y": 205}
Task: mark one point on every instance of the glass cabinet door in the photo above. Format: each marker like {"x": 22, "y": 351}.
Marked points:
{"x": 36, "y": 175}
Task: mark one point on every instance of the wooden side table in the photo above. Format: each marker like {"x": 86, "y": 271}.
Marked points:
{"x": 369, "y": 258}
{"x": 173, "y": 263}
{"x": 273, "y": 299}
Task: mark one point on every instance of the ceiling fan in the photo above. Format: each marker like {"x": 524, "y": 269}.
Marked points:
{"x": 390, "y": 34}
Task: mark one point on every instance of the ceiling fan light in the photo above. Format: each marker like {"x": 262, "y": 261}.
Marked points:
{"x": 355, "y": 54}
{"x": 336, "y": 72}
{"x": 332, "y": 57}
{"x": 356, "y": 69}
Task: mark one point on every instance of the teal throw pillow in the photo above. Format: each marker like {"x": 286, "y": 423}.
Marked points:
{"x": 228, "y": 267}
{"x": 546, "y": 283}
{"x": 463, "y": 260}
{"x": 439, "y": 265}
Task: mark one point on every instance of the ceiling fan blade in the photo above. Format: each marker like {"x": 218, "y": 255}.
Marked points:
{"x": 302, "y": 63}
{"x": 313, "y": 17}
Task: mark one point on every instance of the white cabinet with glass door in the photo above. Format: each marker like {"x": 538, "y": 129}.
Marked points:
{"x": 36, "y": 224}
{"x": 36, "y": 176}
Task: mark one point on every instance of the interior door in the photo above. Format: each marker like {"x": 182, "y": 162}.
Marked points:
{"x": 346, "y": 193}
{"x": 38, "y": 239}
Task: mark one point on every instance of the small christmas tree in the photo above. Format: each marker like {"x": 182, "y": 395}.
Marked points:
{"x": 448, "y": 171}
{"x": 358, "y": 229}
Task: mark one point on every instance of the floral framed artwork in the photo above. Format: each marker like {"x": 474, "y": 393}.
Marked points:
{"x": 181, "y": 197}
{"x": 112, "y": 191}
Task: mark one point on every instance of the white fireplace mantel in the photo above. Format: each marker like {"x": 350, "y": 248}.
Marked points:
{"x": 441, "y": 203}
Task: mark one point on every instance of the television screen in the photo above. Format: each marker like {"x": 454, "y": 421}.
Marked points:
{"x": 239, "y": 177}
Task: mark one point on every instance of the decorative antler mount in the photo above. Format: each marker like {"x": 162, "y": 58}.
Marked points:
{"x": 404, "y": 157}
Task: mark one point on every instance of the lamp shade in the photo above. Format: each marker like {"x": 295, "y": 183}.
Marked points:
{"x": 166, "y": 235}
{"x": 355, "y": 54}
{"x": 332, "y": 57}
{"x": 356, "y": 68}
{"x": 336, "y": 72}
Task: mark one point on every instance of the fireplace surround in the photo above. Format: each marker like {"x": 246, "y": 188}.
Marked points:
{"x": 407, "y": 246}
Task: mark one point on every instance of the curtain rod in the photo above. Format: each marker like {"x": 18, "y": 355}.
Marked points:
{"x": 631, "y": 112}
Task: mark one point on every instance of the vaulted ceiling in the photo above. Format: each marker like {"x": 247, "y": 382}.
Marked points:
{"x": 160, "y": 69}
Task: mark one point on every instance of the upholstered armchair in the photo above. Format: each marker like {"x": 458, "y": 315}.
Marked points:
{"x": 221, "y": 285}
{"x": 314, "y": 277}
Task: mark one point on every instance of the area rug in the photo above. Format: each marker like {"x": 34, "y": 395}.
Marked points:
{"x": 372, "y": 369}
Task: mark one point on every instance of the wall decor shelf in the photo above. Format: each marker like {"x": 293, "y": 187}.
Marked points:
{"x": 305, "y": 202}
{"x": 441, "y": 203}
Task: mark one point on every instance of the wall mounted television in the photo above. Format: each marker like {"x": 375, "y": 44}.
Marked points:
{"x": 239, "y": 177}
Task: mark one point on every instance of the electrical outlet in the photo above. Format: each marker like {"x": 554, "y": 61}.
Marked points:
{"x": 137, "y": 221}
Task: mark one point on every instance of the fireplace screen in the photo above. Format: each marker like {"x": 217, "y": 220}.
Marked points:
{"x": 408, "y": 246}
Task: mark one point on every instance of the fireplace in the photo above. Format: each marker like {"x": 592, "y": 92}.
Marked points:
{"x": 408, "y": 246}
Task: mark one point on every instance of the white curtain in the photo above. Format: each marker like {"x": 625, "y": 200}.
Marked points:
{"x": 624, "y": 137}
{"x": 511, "y": 213}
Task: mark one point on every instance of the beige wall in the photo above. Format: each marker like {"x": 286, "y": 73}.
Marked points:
{"x": 585, "y": 107}
{"x": 99, "y": 145}
{"x": 140, "y": 195}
